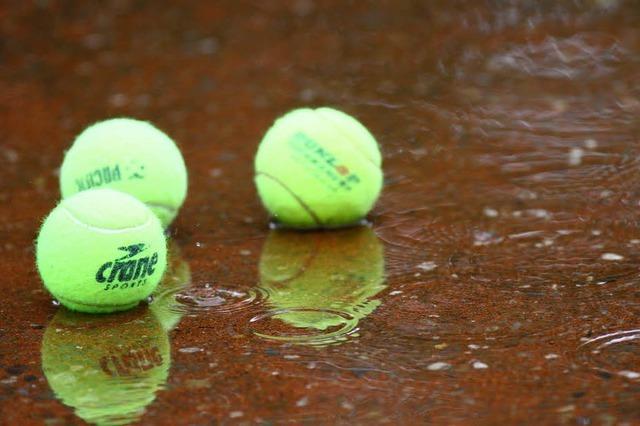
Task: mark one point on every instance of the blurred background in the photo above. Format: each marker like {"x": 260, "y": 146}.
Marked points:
{"x": 497, "y": 283}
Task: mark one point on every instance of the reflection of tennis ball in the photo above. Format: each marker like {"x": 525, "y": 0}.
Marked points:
{"x": 101, "y": 251}
{"x": 318, "y": 169}
{"x": 176, "y": 278}
{"x": 131, "y": 156}
{"x": 312, "y": 276}
{"x": 108, "y": 368}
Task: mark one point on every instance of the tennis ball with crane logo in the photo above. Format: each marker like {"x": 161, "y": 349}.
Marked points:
{"x": 101, "y": 250}
{"x": 129, "y": 270}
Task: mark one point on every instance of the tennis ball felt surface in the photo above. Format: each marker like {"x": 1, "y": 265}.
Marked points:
{"x": 318, "y": 168}
{"x": 322, "y": 279}
{"x": 108, "y": 368}
{"x": 131, "y": 156}
{"x": 101, "y": 251}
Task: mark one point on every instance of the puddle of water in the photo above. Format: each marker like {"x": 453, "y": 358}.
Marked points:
{"x": 177, "y": 295}
{"x": 585, "y": 56}
{"x": 177, "y": 277}
{"x": 320, "y": 285}
{"x": 215, "y": 298}
{"x": 304, "y": 326}
{"x": 616, "y": 353}
{"x": 108, "y": 368}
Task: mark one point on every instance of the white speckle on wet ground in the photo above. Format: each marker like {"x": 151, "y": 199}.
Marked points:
{"x": 427, "y": 266}
{"x": 347, "y": 405}
{"x": 485, "y": 238}
{"x": 489, "y": 212}
{"x": 11, "y": 380}
{"x": 629, "y": 374}
{"x": 591, "y": 144}
{"x": 539, "y": 213}
{"x": 236, "y": 414}
{"x": 479, "y": 365}
{"x": 439, "y": 366}
{"x": 566, "y": 409}
{"x": 575, "y": 156}
{"x": 551, "y": 356}
{"x": 302, "y": 402}
{"x": 611, "y": 256}
{"x": 528, "y": 234}
{"x": 190, "y": 350}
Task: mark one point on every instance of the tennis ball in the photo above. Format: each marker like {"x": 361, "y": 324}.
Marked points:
{"x": 131, "y": 156}
{"x": 101, "y": 251}
{"x": 318, "y": 168}
{"x": 108, "y": 368}
{"x": 322, "y": 279}
{"x": 177, "y": 277}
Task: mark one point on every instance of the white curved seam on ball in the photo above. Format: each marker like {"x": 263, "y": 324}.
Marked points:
{"x": 104, "y": 230}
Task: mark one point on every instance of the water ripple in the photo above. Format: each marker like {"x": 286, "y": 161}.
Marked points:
{"x": 616, "y": 353}
{"x": 213, "y": 298}
{"x": 319, "y": 327}
{"x": 585, "y": 56}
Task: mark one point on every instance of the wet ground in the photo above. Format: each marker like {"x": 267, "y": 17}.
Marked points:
{"x": 498, "y": 282}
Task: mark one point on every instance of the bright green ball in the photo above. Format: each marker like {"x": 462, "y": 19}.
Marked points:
{"x": 313, "y": 277}
{"x": 318, "y": 168}
{"x": 108, "y": 368}
{"x": 101, "y": 251}
{"x": 131, "y": 156}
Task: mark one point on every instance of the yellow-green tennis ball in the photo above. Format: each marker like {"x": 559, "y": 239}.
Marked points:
{"x": 318, "y": 168}
{"x": 314, "y": 276}
{"x": 101, "y": 251}
{"x": 131, "y": 156}
{"x": 108, "y": 368}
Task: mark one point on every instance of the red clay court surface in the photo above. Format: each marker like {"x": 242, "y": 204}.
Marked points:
{"x": 497, "y": 284}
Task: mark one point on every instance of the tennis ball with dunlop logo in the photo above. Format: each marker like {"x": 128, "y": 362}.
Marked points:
{"x": 131, "y": 156}
{"x": 318, "y": 168}
{"x": 101, "y": 250}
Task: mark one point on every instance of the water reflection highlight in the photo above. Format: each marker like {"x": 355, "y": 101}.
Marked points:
{"x": 108, "y": 368}
{"x": 319, "y": 284}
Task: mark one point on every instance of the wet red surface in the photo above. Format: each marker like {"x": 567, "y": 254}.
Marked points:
{"x": 499, "y": 283}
